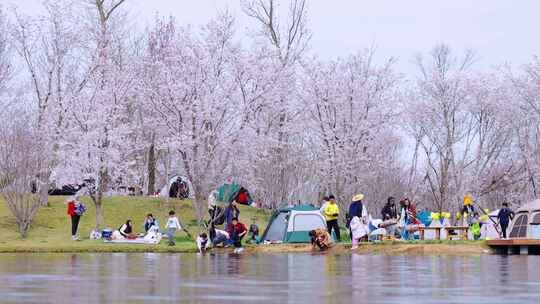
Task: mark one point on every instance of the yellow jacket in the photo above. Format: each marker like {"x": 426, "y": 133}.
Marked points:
{"x": 331, "y": 211}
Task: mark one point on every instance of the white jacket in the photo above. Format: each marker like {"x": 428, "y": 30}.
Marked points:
{"x": 172, "y": 222}
{"x": 358, "y": 228}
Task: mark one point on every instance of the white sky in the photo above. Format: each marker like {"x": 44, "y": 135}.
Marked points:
{"x": 499, "y": 31}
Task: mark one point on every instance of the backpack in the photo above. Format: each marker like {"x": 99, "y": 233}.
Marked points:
{"x": 80, "y": 209}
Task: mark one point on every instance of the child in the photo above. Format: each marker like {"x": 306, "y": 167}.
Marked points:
{"x": 149, "y": 222}
{"x": 202, "y": 242}
{"x": 475, "y": 226}
{"x": 358, "y": 231}
{"x": 172, "y": 225}
{"x": 253, "y": 232}
{"x": 238, "y": 232}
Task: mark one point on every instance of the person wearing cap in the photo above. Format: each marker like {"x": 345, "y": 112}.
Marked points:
{"x": 331, "y": 213}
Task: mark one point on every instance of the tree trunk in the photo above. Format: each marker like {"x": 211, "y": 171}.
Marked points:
{"x": 23, "y": 229}
{"x": 198, "y": 204}
{"x": 98, "y": 198}
{"x": 151, "y": 170}
{"x": 99, "y": 212}
{"x": 44, "y": 190}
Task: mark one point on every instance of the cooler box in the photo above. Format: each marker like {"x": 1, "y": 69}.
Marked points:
{"x": 535, "y": 231}
{"x": 106, "y": 233}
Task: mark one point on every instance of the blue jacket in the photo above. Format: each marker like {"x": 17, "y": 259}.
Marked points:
{"x": 355, "y": 209}
{"x": 230, "y": 213}
{"x": 505, "y": 214}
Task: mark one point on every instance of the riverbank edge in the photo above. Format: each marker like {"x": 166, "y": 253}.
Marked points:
{"x": 451, "y": 248}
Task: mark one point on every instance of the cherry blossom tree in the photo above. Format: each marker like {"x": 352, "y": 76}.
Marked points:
{"x": 96, "y": 135}
{"x": 351, "y": 105}
{"x": 20, "y": 161}
{"x": 193, "y": 94}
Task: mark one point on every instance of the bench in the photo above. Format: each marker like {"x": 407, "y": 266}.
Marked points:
{"x": 422, "y": 231}
{"x": 463, "y": 232}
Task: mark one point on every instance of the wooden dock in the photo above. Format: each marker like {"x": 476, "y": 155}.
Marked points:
{"x": 515, "y": 246}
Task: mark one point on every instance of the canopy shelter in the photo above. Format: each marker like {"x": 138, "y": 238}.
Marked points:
{"x": 228, "y": 193}
{"x": 177, "y": 187}
{"x": 293, "y": 224}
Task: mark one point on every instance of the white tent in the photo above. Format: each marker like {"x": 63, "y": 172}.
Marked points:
{"x": 165, "y": 191}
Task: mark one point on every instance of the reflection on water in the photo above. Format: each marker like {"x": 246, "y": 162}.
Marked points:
{"x": 267, "y": 278}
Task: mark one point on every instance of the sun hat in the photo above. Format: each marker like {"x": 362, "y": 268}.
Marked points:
{"x": 358, "y": 197}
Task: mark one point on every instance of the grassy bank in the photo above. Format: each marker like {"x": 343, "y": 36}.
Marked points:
{"x": 50, "y": 231}
{"x": 51, "y": 228}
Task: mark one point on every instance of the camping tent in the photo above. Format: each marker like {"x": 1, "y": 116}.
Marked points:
{"x": 177, "y": 187}
{"x": 293, "y": 224}
{"x": 228, "y": 193}
{"x": 526, "y": 222}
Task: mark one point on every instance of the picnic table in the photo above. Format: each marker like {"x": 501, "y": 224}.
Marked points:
{"x": 422, "y": 231}
{"x": 463, "y": 235}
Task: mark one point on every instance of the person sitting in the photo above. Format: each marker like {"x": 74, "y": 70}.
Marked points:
{"x": 124, "y": 232}
{"x": 239, "y": 230}
{"x": 218, "y": 236}
{"x": 202, "y": 243}
{"x": 149, "y": 222}
{"x": 320, "y": 239}
{"x": 253, "y": 232}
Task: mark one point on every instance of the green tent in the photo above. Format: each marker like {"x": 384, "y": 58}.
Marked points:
{"x": 293, "y": 224}
{"x": 228, "y": 193}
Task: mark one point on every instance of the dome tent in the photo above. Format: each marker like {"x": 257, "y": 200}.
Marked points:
{"x": 227, "y": 193}
{"x": 177, "y": 187}
{"x": 293, "y": 224}
{"x": 526, "y": 222}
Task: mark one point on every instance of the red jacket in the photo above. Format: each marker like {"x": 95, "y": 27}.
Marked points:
{"x": 71, "y": 208}
{"x": 239, "y": 228}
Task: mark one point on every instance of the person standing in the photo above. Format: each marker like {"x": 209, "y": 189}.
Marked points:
{"x": 356, "y": 209}
{"x": 468, "y": 210}
{"x": 75, "y": 209}
{"x": 505, "y": 215}
{"x": 172, "y": 225}
{"x": 324, "y": 203}
{"x": 359, "y": 231}
{"x": 331, "y": 213}
{"x": 231, "y": 212}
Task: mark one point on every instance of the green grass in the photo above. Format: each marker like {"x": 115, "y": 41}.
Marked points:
{"x": 51, "y": 227}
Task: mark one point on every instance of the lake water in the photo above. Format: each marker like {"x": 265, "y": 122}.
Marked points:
{"x": 267, "y": 278}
